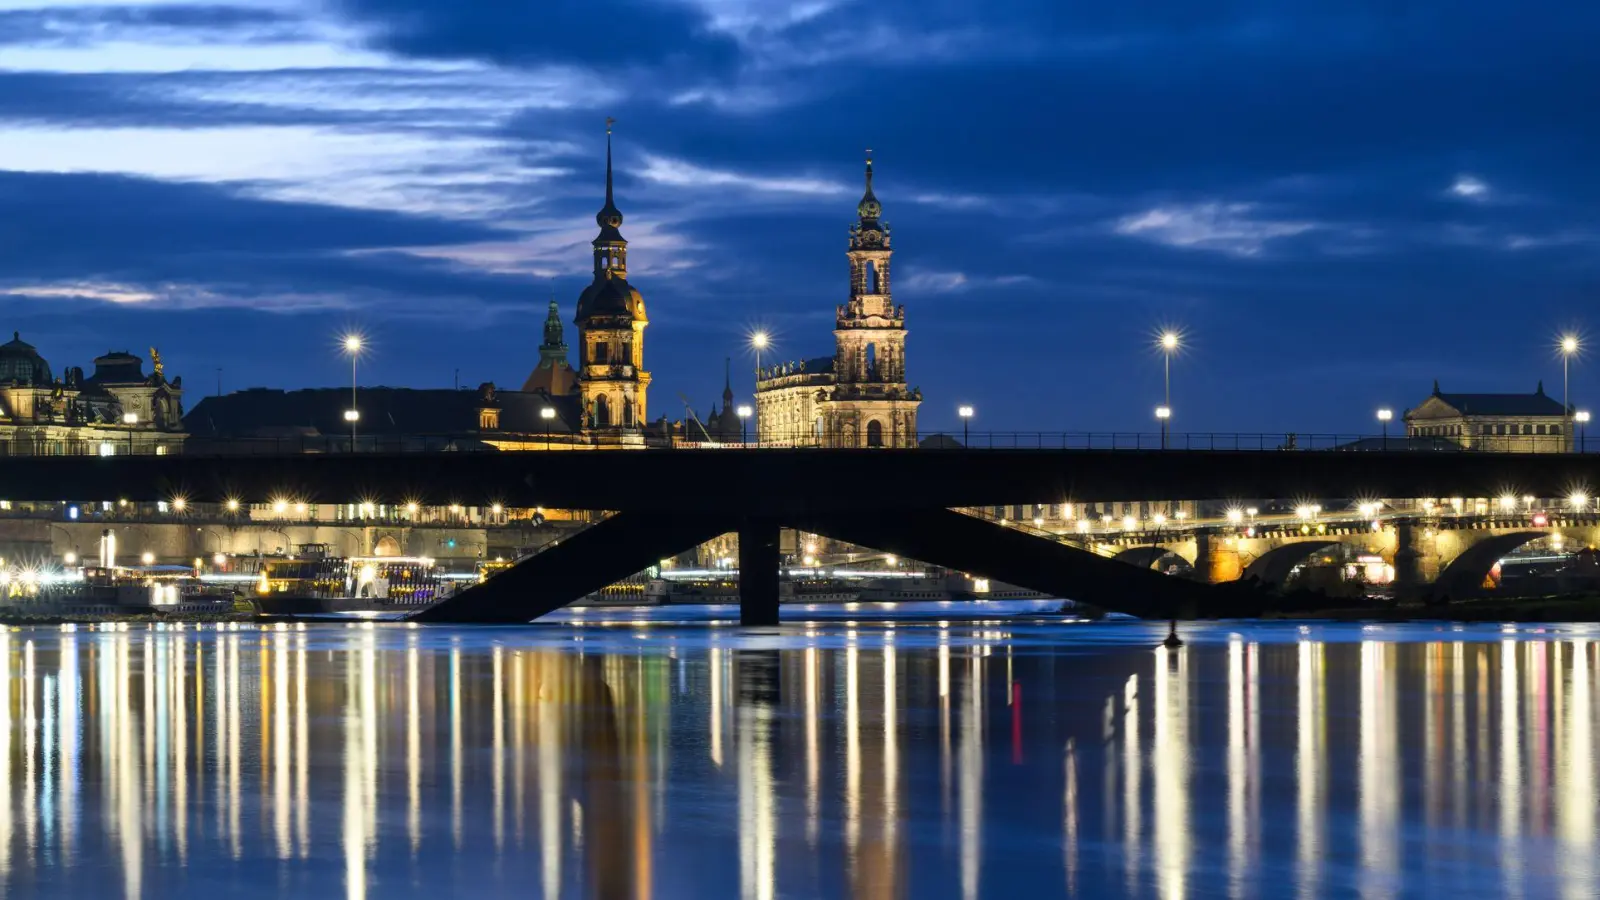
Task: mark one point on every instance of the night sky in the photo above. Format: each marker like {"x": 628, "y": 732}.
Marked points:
{"x": 1337, "y": 201}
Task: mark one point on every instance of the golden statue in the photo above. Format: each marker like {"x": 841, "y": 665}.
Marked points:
{"x": 155, "y": 360}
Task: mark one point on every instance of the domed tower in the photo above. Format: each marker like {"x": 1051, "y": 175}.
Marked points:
{"x": 611, "y": 322}
{"x": 21, "y": 364}
{"x": 871, "y": 405}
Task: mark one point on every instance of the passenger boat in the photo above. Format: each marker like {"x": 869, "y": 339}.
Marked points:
{"x": 725, "y": 590}
{"x": 115, "y": 591}
{"x": 943, "y": 586}
{"x": 311, "y": 583}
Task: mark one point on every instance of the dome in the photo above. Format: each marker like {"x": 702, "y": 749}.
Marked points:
{"x": 21, "y": 364}
{"x": 610, "y": 297}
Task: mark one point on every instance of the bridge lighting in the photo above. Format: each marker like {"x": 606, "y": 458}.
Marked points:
{"x": 353, "y": 343}
{"x": 496, "y": 509}
{"x": 1038, "y": 522}
{"x": 300, "y": 508}
{"x": 1235, "y": 515}
{"x": 1456, "y": 503}
{"x": 232, "y": 504}
{"x": 352, "y": 415}
{"x": 1365, "y": 510}
{"x": 1129, "y": 523}
{"x": 1083, "y": 526}
{"x": 1578, "y": 500}
{"x": 412, "y": 508}
{"x": 70, "y": 558}
{"x": 1163, "y": 412}
{"x": 280, "y": 506}
{"x": 1570, "y": 345}
{"x": 892, "y": 560}
{"x": 1303, "y": 512}
{"x": 1159, "y": 519}
{"x": 219, "y": 560}
{"x": 178, "y": 504}
{"x": 148, "y": 558}
{"x": 1508, "y": 503}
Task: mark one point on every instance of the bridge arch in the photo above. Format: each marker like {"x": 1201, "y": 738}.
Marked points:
{"x": 1147, "y": 557}
{"x": 1273, "y": 567}
{"x": 1465, "y": 574}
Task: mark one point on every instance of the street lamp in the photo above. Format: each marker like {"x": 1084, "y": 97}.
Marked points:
{"x": 965, "y": 412}
{"x": 353, "y": 345}
{"x": 1384, "y": 415}
{"x": 1163, "y": 413}
{"x": 1170, "y": 341}
{"x": 546, "y": 415}
{"x": 1569, "y": 348}
{"x": 744, "y": 424}
{"x": 130, "y": 420}
{"x": 1582, "y": 418}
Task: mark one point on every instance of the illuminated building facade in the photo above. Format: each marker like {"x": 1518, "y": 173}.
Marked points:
{"x": 859, "y": 396}
{"x": 1508, "y": 423}
{"x": 119, "y": 409}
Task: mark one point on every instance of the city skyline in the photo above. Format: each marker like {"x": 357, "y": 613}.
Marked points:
{"x": 240, "y": 184}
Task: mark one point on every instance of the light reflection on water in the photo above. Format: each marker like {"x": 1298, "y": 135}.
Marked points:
{"x": 825, "y": 759}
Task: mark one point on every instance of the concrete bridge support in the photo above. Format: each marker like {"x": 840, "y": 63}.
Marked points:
{"x": 1408, "y": 558}
{"x": 758, "y": 572}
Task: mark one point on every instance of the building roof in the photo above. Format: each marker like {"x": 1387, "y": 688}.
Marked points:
{"x": 1427, "y": 444}
{"x": 260, "y": 412}
{"x": 1534, "y": 404}
{"x": 21, "y": 363}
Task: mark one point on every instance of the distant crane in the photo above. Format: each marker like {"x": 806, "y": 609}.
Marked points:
{"x": 689, "y": 416}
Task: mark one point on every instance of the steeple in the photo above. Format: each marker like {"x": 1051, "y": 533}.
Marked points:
{"x": 727, "y": 382}
{"x": 554, "y": 347}
{"x": 869, "y": 233}
{"x": 610, "y": 248}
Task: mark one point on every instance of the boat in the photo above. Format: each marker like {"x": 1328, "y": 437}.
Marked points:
{"x": 116, "y": 591}
{"x": 725, "y": 590}
{"x": 937, "y": 585}
{"x": 313, "y": 583}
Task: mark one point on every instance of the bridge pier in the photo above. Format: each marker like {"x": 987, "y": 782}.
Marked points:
{"x": 1408, "y": 580}
{"x": 1215, "y": 560}
{"x": 758, "y": 572}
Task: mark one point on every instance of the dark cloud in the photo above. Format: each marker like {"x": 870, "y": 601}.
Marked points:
{"x": 607, "y": 35}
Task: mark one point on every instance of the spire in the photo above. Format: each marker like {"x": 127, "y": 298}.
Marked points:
{"x": 609, "y": 218}
{"x": 1540, "y": 390}
{"x": 869, "y": 208}
{"x": 727, "y": 381}
{"x": 554, "y": 348}
{"x": 1436, "y": 387}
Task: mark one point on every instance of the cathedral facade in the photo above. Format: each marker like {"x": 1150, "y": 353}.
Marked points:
{"x": 858, "y": 397}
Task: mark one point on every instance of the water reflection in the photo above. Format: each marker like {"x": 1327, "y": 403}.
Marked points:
{"x": 830, "y": 761}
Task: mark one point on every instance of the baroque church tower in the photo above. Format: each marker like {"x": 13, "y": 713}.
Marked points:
{"x": 612, "y": 383}
{"x": 871, "y": 405}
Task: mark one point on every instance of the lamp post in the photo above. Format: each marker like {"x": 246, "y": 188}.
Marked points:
{"x": 1384, "y": 415}
{"x": 744, "y": 424}
{"x": 1569, "y": 348}
{"x": 130, "y": 420}
{"x": 353, "y": 346}
{"x": 759, "y": 341}
{"x": 965, "y": 412}
{"x": 547, "y": 415}
{"x": 1582, "y": 418}
{"x": 1170, "y": 341}
{"x": 1163, "y": 413}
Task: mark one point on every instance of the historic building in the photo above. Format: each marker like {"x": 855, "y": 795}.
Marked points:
{"x": 858, "y": 397}
{"x": 117, "y": 410}
{"x": 612, "y": 381}
{"x": 1516, "y": 423}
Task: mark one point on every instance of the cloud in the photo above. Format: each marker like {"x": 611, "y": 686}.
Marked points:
{"x": 1222, "y": 227}
{"x": 930, "y": 281}
{"x": 1469, "y": 187}
{"x": 677, "y": 173}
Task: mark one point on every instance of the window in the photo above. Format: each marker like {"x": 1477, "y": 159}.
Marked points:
{"x": 874, "y": 433}
{"x": 602, "y": 411}
{"x": 602, "y": 352}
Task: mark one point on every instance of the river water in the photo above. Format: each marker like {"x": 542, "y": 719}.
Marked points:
{"x": 608, "y": 756}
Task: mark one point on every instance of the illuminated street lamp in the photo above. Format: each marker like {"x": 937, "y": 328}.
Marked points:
{"x": 148, "y": 558}
{"x": 1582, "y": 418}
{"x": 1170, "y": 341}
{"x": 1163, "y": 413}
{"x": 759, "y": 341}
{"x": 130, "y": 420}
{"x": 1570, "y": 346}
{"x": 1384, "y": 415}
{"x": 965, "y": 412}
{"x": 547, "y": 414}
{"x": 744, "y": 423}
{"x": 353, "y": 345}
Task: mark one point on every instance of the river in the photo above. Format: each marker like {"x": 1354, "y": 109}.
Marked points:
{"x": 662, "y": 755}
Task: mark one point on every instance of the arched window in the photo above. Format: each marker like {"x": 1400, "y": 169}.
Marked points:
{"x": 872, "y": 277}
{"x": 874, "y": 433}
{"x": 602, "y": 411}
{"x": 602, "y": 351}
{"x": 872, "y": 362}
{"x": 627, "y": 413}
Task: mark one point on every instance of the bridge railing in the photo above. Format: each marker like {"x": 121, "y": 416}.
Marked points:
{"x": 166, "y": 444}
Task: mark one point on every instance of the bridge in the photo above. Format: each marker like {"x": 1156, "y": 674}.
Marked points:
{"x": 662, "y": 502}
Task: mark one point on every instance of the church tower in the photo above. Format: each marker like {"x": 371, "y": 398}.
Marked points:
{"x": 552, "y": 376}
{"x": 611, "y": 322}
{"x": 871, "y": 405}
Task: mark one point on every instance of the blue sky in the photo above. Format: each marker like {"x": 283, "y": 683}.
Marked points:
{"x": 1337, "y": 201}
